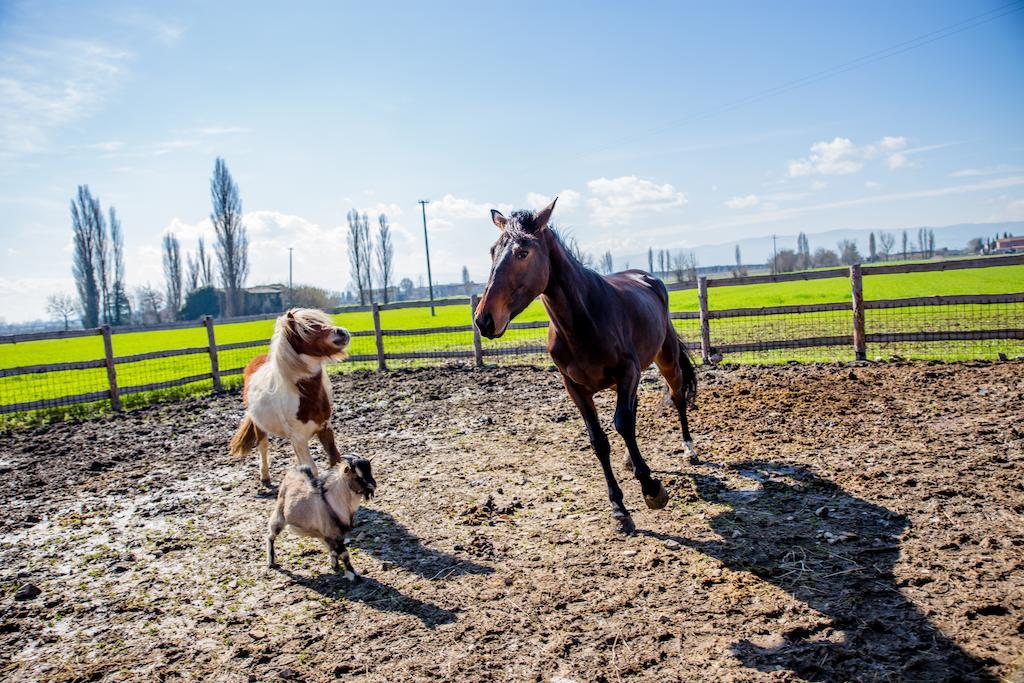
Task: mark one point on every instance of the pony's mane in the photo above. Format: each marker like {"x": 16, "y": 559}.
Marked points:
{"x": 304, "y": 323}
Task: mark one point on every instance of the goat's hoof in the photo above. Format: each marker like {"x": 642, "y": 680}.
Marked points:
{"x": 353, "y": 577}
{"x": 625, "y": 525}
{"x": 658, "y": 500}
{"x": 628, "y": 463}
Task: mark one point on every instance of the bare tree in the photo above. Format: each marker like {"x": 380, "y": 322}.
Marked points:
{"x": 904, "y": 245}
{"x": 385, "y": 254}
{"x": 803, "y": 252}
{"x": 848, "y": 253}
{"x": 62, "y": 307}
{"x": 650, "y": 260}
{"x": 825, "y": 258}
{"x": 607, "y": 265}
{"x": 359, "y": 255}
{"x": 467, "y": 282}
{"x": 886, "y": 241}
{"x": 172, "y": 273}
{"x": 148, "y": 302}
{"x": 191, "y": 272}
{"x": 577, "y": 252}
{"x": 663, "y": 260}
{"x": 785, "y": 261}
{"x": 684, "y": 266}
{"x": 86, "y": 227}
{"x": 103, "y": 268}
{"x": 872, "y": 250}
{"x": 205, "y": 264}
{"x": 232, "y": 245}
{"x": 121, "y": 307}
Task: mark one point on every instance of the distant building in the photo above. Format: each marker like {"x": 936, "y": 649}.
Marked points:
{"x": 1009, "y": 245}
{"x": 260, "y": 299}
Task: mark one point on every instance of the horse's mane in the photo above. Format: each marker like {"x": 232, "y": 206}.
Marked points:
{"x": 521, "y": 225}
{"x": 302, "y": 322}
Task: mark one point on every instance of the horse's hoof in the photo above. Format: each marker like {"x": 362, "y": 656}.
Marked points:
{"x": 658, "y": 500}
{"x": 625, "y": 525}
{"x": 694, "y": 460}
{"x": 628, "y": 463}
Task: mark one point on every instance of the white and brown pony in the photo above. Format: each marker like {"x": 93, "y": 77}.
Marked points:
{"x": 287, "y": 392}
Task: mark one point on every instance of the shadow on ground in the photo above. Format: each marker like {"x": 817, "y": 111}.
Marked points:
{"x": 374, "y": 594}
{"x": 836, "y": 553}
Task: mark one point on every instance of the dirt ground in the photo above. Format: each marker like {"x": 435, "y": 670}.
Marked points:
{"x": 849, "y": 523}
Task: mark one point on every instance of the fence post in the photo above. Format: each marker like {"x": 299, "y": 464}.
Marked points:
{"x": 478, "y": 349}
{"x": 381, "y": 365}
{"x": 857, "y": 287}
{"x": 705, "y": 323}
{"x": 214, "y": 363}
{"x": 108, "y": 352}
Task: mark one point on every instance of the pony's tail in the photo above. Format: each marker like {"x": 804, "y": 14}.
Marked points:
{"x": 245, "y": 439}
{"x": 689, "y": 376}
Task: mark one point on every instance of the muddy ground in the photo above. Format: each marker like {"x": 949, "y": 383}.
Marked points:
{"x": 849, "y": 523}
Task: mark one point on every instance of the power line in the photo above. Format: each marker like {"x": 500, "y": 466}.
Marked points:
{"x": 864, "y": 60}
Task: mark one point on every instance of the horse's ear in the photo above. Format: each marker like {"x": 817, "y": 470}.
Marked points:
{"x": 498, "y": 219}
{"x": 543, "y": 216}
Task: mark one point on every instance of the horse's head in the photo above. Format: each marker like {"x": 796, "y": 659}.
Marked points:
{"x": 519, "y": 268}
{"x": 312, "y": 332}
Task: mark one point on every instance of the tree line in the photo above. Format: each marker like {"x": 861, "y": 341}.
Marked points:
{"x": 847, "y": 252}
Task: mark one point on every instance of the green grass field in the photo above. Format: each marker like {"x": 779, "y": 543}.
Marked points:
{"x": 992, "y": 280}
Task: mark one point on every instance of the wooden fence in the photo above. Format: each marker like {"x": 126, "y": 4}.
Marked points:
{"x": 858, "y": 338}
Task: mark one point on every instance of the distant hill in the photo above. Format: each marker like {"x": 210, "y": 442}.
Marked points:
{"x": 757, "y": 250}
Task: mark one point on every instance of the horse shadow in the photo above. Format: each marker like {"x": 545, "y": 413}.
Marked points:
{"x": 374, "y": 594}
{"x": 377, "y": 533}
{"x": 834, "y": 552}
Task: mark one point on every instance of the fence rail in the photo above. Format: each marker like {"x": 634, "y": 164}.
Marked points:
{"x": 858, "y": 338}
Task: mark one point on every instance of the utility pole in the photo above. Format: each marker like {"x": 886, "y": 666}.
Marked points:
{"x": 291, "y": 292}
{"x": 775, "y": 255}
{"x": 426, "y": 243}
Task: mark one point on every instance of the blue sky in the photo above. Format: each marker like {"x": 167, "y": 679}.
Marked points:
{"x": 616, "y": 107}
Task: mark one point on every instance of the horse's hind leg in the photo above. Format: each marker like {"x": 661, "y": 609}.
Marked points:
{"x": 599, "y": 441}
{"x": 670, "y": 363}
{"x": 655, "y": 494}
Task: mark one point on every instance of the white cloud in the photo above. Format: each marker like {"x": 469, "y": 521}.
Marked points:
{"x": 229, "y": 130}
{"x": 567, "y": 200}
{"x": 44, "y": 88}
{"x": 443, "y": 213}
{"x": 819, "y": 185}
{"x": 987, "y": 170}
{"x": 743, "y": 202}
{"x": 872, "y": 185}
{"x": 842, "y": 157}
{"x": 617, "y": 200}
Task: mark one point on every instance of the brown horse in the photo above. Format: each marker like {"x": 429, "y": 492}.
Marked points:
{"x": 604, "y": 331}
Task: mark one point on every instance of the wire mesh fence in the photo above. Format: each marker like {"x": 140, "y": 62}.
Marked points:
{"x": 59, "y": 374}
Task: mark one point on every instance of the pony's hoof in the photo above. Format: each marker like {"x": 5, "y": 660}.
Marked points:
{"x": 693, "y": 459}
{"x": 658, "y": 500}
{"x": 625, "y": 525}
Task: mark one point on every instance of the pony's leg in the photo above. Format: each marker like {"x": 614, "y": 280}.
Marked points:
{"x": 584, "y": 400}
{"x": 326, "y": 436}
{"x": 264, "y": 446}
{"x": 625, "y": 424}
{"x": 301, "y": 447}
{"x": 670, "y": 364}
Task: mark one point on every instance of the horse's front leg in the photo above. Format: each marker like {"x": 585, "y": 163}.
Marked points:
{"x": 654, "y": 492}
{"x": 584, "y": 400}
{"x": 326, "y": 436}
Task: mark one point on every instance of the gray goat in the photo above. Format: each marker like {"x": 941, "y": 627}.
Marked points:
{"x": 322, "y": 507}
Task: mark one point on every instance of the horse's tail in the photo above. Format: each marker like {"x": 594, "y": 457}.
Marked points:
{"x": 689, "y": 375}
{"x": 246, "y": 438}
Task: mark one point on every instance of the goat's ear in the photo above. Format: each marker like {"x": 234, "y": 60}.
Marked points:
{"x": 498, "y": 219}
{"x": 543, "y": 216}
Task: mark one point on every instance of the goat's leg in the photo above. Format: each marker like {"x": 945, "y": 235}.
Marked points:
{"x": 264, "y": 446}
{"x": 301, "y": 447}
{"x": 350, "y": 573}
{"x": 584, "y": 400}
{"x": 326, "y": 436}
{"x": 274, "y": 527}
{"x": 655, "y": 494}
